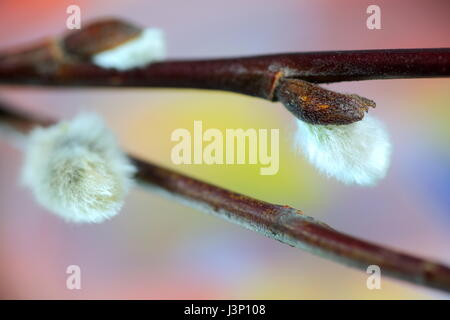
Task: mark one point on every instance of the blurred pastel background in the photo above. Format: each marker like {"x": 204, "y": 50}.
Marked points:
{"x": 158, "y": 249}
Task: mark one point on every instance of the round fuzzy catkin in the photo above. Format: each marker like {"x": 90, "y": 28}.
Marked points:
{"x": 76, "y": 169}
{"x": 148, "y": 47}
{"x": 357, "y": 153}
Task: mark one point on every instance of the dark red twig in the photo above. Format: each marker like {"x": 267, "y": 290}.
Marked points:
{"x": 255, "y": 76}
{"x": 282, "y": 223}
{"x": 282, "y": 77}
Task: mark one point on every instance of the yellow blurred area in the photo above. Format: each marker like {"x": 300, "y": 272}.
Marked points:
{"x": 148, "y": 127}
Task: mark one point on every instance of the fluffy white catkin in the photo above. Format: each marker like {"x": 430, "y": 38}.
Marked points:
{"x": 76, "y": 169}
{"x": 146, "y": 48}
{"x": 358, "y": 153}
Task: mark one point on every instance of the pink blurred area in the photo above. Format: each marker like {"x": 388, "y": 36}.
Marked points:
{"x": 158, "y": 249}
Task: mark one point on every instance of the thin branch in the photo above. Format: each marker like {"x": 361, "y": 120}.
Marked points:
{"x": 279, "y": 77}
{"x": 254, "y": 76}
{"x": 282, "y": 223}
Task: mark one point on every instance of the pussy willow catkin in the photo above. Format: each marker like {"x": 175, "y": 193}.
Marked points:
{"x": 76, "y": 169}
{"x": 357, "y": 153}
{"x": 146, "y": 48}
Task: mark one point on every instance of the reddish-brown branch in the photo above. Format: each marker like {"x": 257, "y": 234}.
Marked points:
{"x": 283, "y": 77}
{"x": 276, "y": 78}
{"x": 65, "y": 62}
{"x": 255, "y": 76}
{"x": 282, "y": 223}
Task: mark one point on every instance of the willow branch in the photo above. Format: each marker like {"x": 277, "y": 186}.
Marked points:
{"x": 255, "y": 76}
{"x": 287, "y": 78}
{"x": 280, "y": 222}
